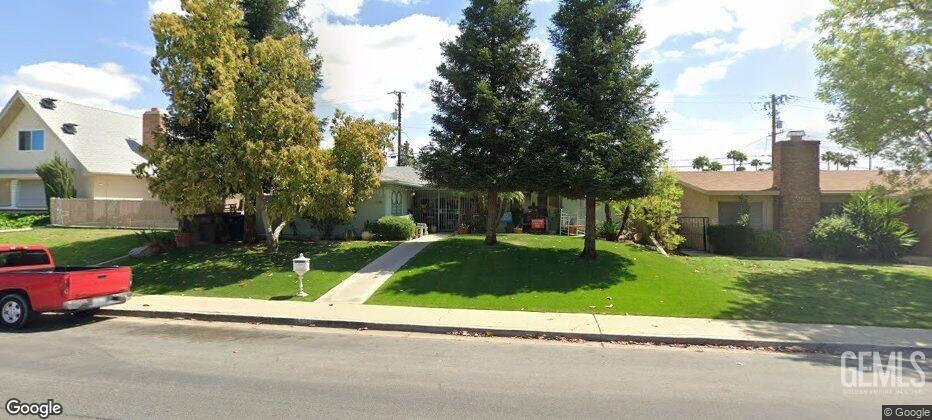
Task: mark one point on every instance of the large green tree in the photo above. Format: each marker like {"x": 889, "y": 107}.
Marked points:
{"x": 487, "y": 101}
{"x": 876, "y": 69}
{"x": 601, "y": 144}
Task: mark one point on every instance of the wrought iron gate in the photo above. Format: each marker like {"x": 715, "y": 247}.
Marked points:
{"x": 695, "y": 230}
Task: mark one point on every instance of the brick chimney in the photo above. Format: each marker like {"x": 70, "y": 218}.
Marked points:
{"x": 151, "y": 124}
{"x": 796, "y": 177}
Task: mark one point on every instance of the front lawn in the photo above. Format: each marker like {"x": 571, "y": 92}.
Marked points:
{"x": 77, "y": 247}
{"x": 543, "y": 273}
{"x": 246, "y": 272}
{"x": 215, "y": 270}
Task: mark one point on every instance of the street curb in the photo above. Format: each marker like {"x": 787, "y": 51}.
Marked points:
{"x": 790, "y": 346}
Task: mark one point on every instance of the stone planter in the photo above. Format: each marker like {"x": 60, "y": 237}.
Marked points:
{"x": 519, "y": 230}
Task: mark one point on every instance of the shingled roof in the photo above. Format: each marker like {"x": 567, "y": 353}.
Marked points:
{"x": 761, "y": 182}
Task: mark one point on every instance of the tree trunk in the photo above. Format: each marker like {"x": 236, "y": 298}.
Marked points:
{"x": 492, "y": 218}
{"x": 271, "y": 234}
{"x": 624, "y": 218}
{"x": 588, "y": 252}
{"x": 608, "y": 211}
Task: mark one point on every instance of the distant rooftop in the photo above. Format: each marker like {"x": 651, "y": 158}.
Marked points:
{"x": 761, "y": 182}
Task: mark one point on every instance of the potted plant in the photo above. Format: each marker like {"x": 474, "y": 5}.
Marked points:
{"x": 184, "y": 236}
{"x": 610, "y": 231}
{"x": 368, "y": 232}
{"x": 463, "y": 229}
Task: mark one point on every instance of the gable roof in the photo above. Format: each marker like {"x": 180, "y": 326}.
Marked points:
{"x": 106, "y": 142}
{"x": 402, "y": 175}
{"x": 761, "y": 182}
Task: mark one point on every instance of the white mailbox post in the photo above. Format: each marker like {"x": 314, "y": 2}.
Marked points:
{"x": 301, "y": 265}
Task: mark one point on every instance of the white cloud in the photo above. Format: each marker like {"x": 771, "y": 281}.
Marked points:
{"x": 692, "y": 81}
{"x": 362, "y": 63}
{"x": 751, "y": 24}
{"x": 102, "y": 85}
{"x": 164, "y": 6}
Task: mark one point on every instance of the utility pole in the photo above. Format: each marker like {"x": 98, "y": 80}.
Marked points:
{"x": 772, "y": 106}
{"x": 398, "y": 108}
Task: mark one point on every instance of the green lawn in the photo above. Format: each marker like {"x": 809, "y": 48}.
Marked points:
{"x": 77, "y": 247}
{"x": 216, "y": 270}
{"x": 246, "y": 272}
{"x": 543, "y": 273}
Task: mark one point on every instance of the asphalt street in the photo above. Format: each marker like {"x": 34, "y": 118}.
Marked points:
{"x": 136, "y": 368}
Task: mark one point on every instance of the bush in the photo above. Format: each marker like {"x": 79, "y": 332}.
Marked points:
{"x": 879, "y": 221}
{"x": 730, "y": 239}
{"x": 836, "y": 236}
{"x": 395, "y": 228}
{"x": 19, "y": 221}
{"x": 608, "y": 228}
{"x": 767, "y": 244}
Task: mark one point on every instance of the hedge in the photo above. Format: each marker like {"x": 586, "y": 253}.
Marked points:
{"x": 395, "y": 228}
{"x": 731, "y": 239}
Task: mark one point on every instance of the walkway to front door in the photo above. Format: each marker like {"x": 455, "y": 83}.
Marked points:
{"x": 359, "y": 287}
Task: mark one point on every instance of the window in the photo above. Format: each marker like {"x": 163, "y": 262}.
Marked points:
{"x": 728, "y": 214}
{"x": 23, "y": 258}
{"x": 32, "y": 140}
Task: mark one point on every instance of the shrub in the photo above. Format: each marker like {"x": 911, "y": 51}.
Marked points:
{"x": 609, "y": 228}
{"x": 730, "y": 239}
{"x": 879, "y": 220}
{"x": 767, "y": 244}
{"x": 19, "y": 221}
{"x": 395, "y": 228}
{"x": 836, "y": 236}
{"x": 57, "y": 177}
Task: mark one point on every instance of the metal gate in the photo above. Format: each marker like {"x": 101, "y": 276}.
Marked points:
{"x": 695, "y": 230}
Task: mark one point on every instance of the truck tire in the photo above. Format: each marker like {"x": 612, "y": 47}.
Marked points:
{"x": 14, "y": 311}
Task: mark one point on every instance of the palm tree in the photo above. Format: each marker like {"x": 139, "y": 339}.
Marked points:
{"x": 756, "y": 164}
{"x": 715, "y": 166}
{"x": 736, "y": 156}
{"x": 701, "y": 163}
{"x": 829, "y": 158}
{"x": 847, "y": 161}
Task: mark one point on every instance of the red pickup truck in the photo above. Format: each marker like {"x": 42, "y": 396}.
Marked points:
{"x": 31, "y": 283}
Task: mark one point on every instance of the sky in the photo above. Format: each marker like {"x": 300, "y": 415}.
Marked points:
{"x": 715, "y": 61}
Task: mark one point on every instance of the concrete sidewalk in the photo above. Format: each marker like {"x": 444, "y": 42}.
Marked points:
{"x": 832, "y": 338}
{"x": 360, "y": 286}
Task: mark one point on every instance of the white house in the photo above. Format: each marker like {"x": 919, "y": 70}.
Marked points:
{"x": 102, "y": 146}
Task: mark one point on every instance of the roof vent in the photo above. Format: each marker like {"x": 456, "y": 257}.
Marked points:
{"x": 69, "y": 128}
{"x": 47, "y": 103}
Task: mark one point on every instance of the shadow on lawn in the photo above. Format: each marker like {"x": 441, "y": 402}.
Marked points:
{"x": 468, "y": 268}
{"x": 215, "y": 266}
{"x": 837, "y": 295}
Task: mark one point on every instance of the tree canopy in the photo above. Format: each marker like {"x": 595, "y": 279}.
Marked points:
{"x": 876, "y": 69}
{"x": 601, "y": 143}
{"x": 487, "y": 104}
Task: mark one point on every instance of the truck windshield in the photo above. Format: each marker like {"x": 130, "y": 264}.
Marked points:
{"x": 23, "y": 258}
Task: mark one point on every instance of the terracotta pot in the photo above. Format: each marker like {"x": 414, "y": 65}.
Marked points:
{"x": 183, "y": 239}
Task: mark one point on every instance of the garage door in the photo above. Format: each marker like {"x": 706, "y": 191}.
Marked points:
{"x": 31, "y": 194}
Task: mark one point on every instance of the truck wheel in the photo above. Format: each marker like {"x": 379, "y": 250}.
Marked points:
{"x": 14, "y": 311}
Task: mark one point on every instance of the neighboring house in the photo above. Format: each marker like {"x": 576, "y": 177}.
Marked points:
{"x": 791, "y": 198}
{"x": 101, "y": 146}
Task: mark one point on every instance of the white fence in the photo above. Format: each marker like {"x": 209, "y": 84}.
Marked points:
{"x": 138, "y": 214}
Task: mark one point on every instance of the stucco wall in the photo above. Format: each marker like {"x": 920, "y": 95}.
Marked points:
{"x": 697, "y": 204}
{"x": 919, "y": 218}
{"x": 119, "y": 186}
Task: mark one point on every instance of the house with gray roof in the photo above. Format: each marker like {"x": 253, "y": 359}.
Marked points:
{"x": 101, "y": 146}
